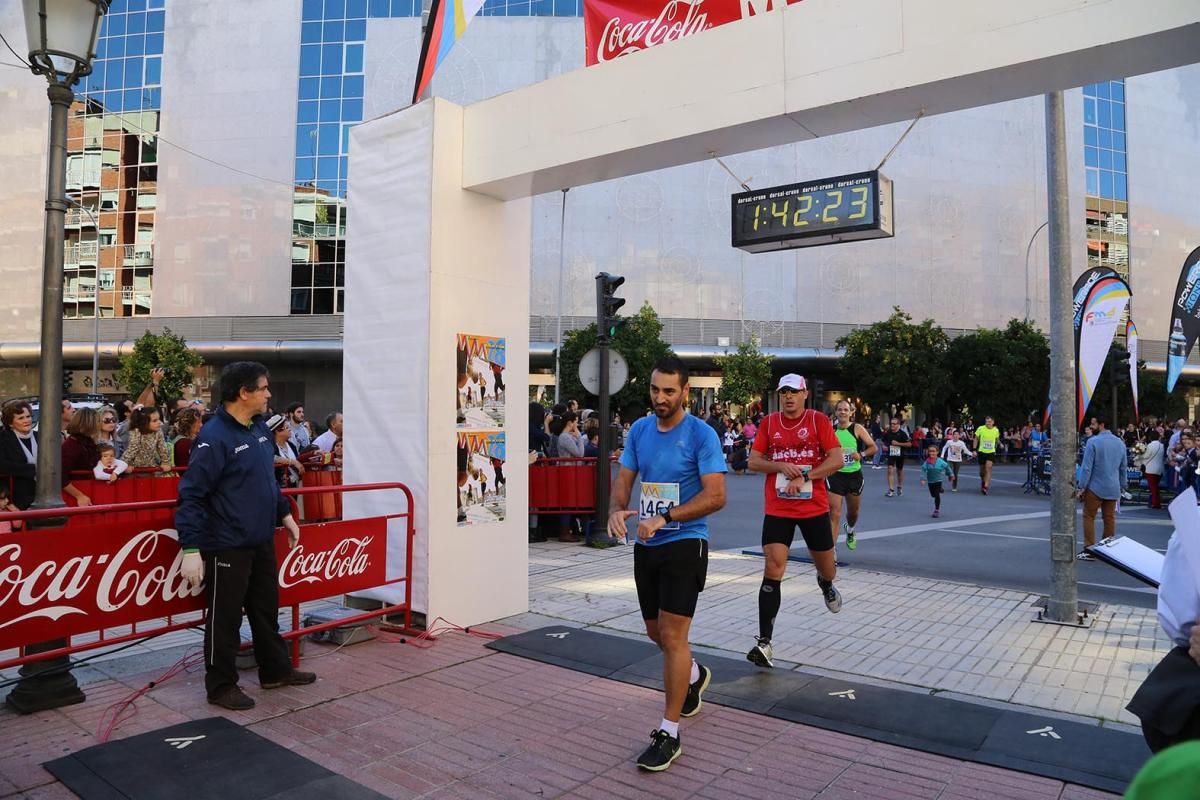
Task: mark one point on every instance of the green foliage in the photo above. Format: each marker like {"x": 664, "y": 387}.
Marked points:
{"x": 745, "y": 373}
{"x": 1001, "y": 373}
{"x": 639, "y": 341}
{"x": 1153, "y": 400}
{"x": 894, "y": 362}
{"x": 166, "y": 349}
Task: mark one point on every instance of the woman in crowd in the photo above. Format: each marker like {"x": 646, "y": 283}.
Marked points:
{"x": 287, "y": 463}
{"x": 108, "y": 426}
{"x": 147, "y": 445}
{"x": 1152, "y": 463}
{"x": 187, "y": 427}
{"x": 80, "y": 453}
{"x": 18, "y": 452}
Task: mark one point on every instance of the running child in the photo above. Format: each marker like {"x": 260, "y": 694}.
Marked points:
{"x": 953, "y": 452}
{"x": 932, "y": 470}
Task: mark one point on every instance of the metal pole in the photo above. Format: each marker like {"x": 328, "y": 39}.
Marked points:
{"x": 562, "y": 235}
{"x": 50, "y": 389}
{"x": 600, "y": 528}
{"x": 1029, "y": 247}
{"x": 1063, "y": 603}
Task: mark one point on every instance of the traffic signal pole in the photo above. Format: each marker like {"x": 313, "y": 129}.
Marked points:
{"x": 606, "y": 324}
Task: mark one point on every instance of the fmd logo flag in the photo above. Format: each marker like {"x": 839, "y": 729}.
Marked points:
{"x": 1079, "y": 294}
{"x": 1185, "y": 318}
{"x": 1099, "y": 315}
{"x": 1131, "y": 344}
{"x": 448, "y": 20}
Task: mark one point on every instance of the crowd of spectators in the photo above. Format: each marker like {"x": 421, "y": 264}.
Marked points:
{"x": 145, "y": 437}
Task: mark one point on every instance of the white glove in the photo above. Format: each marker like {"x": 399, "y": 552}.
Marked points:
{"x": 192, "y": 569}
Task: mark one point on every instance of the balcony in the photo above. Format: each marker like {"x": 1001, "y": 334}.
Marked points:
{"x": 80, "y": 253}
{"x": 138, "y": 255}
{"x": 136, "y": 298}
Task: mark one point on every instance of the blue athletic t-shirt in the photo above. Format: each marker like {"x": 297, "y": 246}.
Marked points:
{"x": 670, "y": 465}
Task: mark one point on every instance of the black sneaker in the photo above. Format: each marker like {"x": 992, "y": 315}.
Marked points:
{"x": 293, "y": 678}
{"x": 233, "y": 698}
{"x": 664, "y": 748}
{"x": 693, "y": 702}
{"x": 833, "y": 598}
{"x": 1084, "y": 555}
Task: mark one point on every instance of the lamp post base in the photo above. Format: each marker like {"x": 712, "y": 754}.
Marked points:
{"x": 45, "y": 684}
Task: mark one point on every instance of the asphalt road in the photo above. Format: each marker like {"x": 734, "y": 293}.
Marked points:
{"x": 1000, "y": 540}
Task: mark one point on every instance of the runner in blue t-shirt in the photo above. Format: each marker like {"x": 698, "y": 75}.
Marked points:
{"x": 682, "y": 471}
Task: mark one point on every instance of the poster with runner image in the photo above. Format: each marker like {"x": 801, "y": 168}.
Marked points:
{"x": 481, "y": 484}
{"x": 480, "y": 391}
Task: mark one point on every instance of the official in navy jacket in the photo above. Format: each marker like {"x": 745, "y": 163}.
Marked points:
{"x": 229, "y": 507}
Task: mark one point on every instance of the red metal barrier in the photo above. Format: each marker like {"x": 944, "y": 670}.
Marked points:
{"x": 91, "y": 578}
{"x": 323, "y": 506}
{"x": 562, "y": 486}
{"x": 139, "y": 485}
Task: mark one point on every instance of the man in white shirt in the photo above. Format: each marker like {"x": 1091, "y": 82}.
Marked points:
{"x": 325, "y": 441}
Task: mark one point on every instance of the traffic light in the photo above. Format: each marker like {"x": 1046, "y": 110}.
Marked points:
{"x": 607, "y": 305}
{"x": 1118, "y": 363}
{"x": 68, "y": 379}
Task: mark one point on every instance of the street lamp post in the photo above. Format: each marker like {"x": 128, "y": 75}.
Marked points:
{"x": 62, "y": 43}
{"x": 1029, "y": 247}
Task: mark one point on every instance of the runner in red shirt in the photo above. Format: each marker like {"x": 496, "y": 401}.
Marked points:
{"x": 796, "y": 448}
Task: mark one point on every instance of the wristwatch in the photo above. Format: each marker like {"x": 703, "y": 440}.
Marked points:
{"x": 666, "y": 515}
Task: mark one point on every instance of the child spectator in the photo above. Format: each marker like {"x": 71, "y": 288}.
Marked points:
{"x": 7, "y": 506}
{"x": 109, "y": 467}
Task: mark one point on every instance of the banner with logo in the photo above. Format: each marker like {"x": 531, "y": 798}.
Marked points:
{"x": 1131, "y": 344}
{"x": 1079, "y": 293}
{"x": 615, "y": 28}
{"x": 78, "y": 580}
{"x": 1185, "y": 318}
{"x": 1099, "y": 315}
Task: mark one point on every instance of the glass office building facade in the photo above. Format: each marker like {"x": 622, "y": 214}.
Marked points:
{"x": 1105, "y": 157}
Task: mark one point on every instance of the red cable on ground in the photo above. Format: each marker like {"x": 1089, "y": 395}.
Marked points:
{"x": 428, "y": 637}
{"x": 119, "y": 708}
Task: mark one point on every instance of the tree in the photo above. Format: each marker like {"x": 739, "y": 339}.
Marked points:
{"x": 895, "y": 362}
{"x": 1001, "y": 373}
{"x": 745, "y": 373}
{"x": 639, "y": 341}
{"x": 167, "y": 350}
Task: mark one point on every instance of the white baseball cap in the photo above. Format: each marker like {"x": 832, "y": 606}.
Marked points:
{"x": 792, "y": 381}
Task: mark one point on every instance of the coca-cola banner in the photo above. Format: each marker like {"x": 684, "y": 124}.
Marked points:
{"x": 71, "y": 581}
{"x": 615, "y": 28}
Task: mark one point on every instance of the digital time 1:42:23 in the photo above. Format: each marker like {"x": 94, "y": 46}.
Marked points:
{"x": 803, "y": 214}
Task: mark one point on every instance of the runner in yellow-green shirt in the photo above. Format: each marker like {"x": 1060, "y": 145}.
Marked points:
{"x": 986, "y": 439}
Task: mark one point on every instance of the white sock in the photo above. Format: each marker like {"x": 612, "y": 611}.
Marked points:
{"x": 695, "y": 676}
{"x": 850, "y": 530}
{"x": 670, "y": 727}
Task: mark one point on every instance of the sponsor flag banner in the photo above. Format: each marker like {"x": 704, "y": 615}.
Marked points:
{"x": 90, "y": 578}
{"x": 1185, "y": 318}
{"x": 615, "y": 28}
{"x": 1079, "y": 293}
{"x": 1131, "y": 344}
{"x": 1100, "y": 315}
{"x": 448, "y": 20}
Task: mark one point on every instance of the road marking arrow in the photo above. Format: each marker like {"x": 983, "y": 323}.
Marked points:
{"x": 1046, "y": 731}
{"x": 562, "y": 635}
{"x": 847, "y": 694}
{"x": 180, "y": 742}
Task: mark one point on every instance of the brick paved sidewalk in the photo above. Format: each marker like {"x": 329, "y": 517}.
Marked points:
{"x": 960, "y": 640}
{"x": 457, "y": 720}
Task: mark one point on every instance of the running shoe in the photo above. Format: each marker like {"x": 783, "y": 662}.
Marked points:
{"x": 937, "y": 513}
{"x": 851, "y": 540}
{"x": 983, "y": 489}
{"x": 1084, "y": 555}
{"x": 761, "y": 654}
{"x": 664, "y": 748}
{"x": 891, "y": 493}
{"x": 899, "y": 491}
{"x": 833, "y": 599}
{"x": 693, "y": 702}
{"x": 954, "y": 488}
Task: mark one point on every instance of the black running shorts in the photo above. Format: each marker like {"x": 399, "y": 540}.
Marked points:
{"x": 669, "y": 577}
{"x": 817, "y": 531}
{"x": 846, "y": 483}
{"x": 896, "y": 461}
{"x": 985, "y": 457}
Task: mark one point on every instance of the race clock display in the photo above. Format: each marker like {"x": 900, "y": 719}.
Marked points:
{"x": 843, "y": 209}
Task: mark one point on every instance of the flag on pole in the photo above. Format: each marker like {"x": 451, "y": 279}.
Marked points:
{"x": 1131, "y": 344}
{"x": 448, "y": 20}
{"x": 1099, "y": 316}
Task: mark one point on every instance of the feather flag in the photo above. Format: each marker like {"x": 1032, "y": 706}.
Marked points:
{"x": 448, "y": 20}
{"x": 1131, "y": 344}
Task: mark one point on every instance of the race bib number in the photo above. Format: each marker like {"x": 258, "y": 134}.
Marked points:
{"x": 657, "y": 498}
{"x": 781, "y": 486}
{"x": 847, "y": 458}
{"x": 894, "y": 451}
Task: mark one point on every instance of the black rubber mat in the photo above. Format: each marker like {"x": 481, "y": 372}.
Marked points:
{"x": 206, "y": 759}
{"x": 1041, "y": 745}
